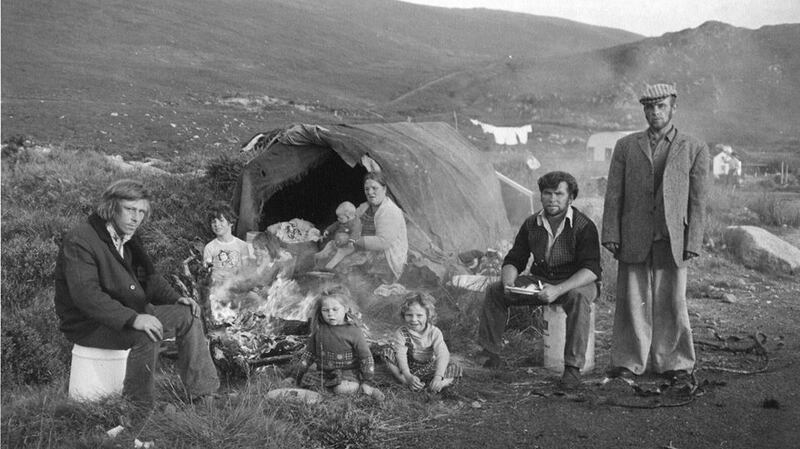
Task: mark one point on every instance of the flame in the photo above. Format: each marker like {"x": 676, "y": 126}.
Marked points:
{"x": 232, "y": 302}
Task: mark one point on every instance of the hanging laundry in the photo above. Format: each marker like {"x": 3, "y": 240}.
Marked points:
{"x": 522, "y": 133}
{"x": 505, "y": 135}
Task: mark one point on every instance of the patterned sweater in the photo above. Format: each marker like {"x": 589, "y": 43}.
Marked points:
{"x": 339, "y": 348}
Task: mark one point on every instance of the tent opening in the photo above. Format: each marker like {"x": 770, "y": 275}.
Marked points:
{"x": 315, "y": 196}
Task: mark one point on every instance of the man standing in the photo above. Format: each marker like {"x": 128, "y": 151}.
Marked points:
{"x": 653, "y": 224}
{"x": 109, "y": 296}
{"x": 566, "y": 259}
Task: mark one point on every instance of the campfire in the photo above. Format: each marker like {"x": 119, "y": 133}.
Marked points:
{"x": 252, "y": 325}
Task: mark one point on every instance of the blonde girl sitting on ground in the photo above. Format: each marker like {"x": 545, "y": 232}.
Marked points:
{"x": 338, "y": 347}
{"x": 419, "y": 356}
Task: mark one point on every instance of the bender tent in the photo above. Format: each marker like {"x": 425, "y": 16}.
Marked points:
{"x": 448, "y": 191}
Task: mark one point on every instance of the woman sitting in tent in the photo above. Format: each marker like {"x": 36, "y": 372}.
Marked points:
{"x": 383, "y": 246}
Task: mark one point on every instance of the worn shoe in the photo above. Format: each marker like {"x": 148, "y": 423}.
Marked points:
{"x": 679, "y": 376}
{"x": 571, "y": 379}
{"x": 494, "y": 361}
{"x": 620, "y": 372}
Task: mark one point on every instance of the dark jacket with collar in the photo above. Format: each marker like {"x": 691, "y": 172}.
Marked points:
{"x": 96, "y": 286}
{"x": 578, "y": 246}
{"x": 630, "y": 212}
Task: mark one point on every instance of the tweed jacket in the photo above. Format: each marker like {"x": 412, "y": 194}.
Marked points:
{"x": 96, "y": 286}
{"x": 630, "y": 209}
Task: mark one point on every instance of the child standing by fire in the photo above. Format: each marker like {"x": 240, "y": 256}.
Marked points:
{"x": 419, "y": 356}
{"x": 342, "y": 234}
{"x": 226, "y": 254}
{"x": 338, "y": 347}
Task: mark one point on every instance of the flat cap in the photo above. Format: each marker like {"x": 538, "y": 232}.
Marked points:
{"x": 656, "y": 92}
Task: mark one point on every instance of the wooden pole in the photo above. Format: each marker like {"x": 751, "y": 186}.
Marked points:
{"x": 783, "y": 173}
{"x": 455, "y": 119}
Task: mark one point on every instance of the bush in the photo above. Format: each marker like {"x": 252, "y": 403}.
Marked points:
{"x": 34, "y": 350}
{"x": 27, "y": 268}
{"x": 223, "y": 173}
{"x": 774, "y": 211}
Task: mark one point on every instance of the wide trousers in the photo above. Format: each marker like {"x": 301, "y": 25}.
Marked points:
{"x": 195, "y": 366}
{"x": 577, "y": 305}
{"x": 651, "y": 320}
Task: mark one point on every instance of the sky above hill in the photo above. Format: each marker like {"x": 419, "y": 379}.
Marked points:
{"x": 646, "y": 18}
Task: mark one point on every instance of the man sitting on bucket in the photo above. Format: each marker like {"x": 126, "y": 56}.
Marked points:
{"x": 109, "y": 296}
{"x": 565, "y": 248}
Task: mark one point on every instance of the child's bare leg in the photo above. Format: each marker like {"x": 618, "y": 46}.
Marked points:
{"x": 346, "y": 387}
{"x": 340, "y": 254}
{"x": 373, "y": 392}
{"x": 395, "y": 370}
{"x": 323, "y": 254}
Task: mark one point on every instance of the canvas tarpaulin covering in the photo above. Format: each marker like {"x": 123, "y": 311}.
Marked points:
{"x": 445, "y": 186}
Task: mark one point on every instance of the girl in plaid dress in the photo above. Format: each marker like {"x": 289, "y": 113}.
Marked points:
{"x": 419, "y": 356}
{"x": 338, "y": 348}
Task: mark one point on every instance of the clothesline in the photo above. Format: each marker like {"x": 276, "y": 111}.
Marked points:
{"x": 505, "y": 135}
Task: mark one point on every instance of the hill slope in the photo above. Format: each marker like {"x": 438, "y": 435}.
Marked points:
{"x": 734, "y": 84}
{"x": 360, "y": 51}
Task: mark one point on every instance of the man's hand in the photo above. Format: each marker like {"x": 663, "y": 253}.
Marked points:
{"x": 191, "y": 303}
{"x": 150, "y": 325}
{"x": 613, "y": 247}
{"x": 549, "y": 293}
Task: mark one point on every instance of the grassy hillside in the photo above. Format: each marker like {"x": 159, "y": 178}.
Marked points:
{"x": 155, "y": 78}
{"x": 353, "y": 50}
{"x": 734, "y": 84}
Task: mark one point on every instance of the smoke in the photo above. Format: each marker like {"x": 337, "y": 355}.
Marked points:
{"x": 243, "y": 303}
{"x": 241, "y": 296}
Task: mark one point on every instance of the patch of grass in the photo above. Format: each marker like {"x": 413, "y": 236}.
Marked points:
{"x": 243, "y": 421}
{"x": 776, "y": 211}
{"x": 43, "y": 417}
{"x": 34, "y": 350}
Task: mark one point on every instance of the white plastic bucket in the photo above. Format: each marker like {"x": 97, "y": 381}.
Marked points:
{"x": 554, "y": 336}
{"x": 96, "y": 372}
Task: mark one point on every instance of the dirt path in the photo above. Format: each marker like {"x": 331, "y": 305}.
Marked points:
{"x": 519, "y": 407}
{"x": 434, "y": 82}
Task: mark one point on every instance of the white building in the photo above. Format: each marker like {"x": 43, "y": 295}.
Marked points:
{"x": 725, "y": 162}
{"x": 600, "y": 146}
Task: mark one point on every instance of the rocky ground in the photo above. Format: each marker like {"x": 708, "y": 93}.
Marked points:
{"x": 746, "y": 397}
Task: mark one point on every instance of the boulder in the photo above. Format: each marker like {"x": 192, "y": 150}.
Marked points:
{"x": 762, "y": 250}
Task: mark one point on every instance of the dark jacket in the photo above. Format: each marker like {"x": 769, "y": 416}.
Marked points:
{"x": 577, "y": 247}
{"x": 95, "y": 286}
